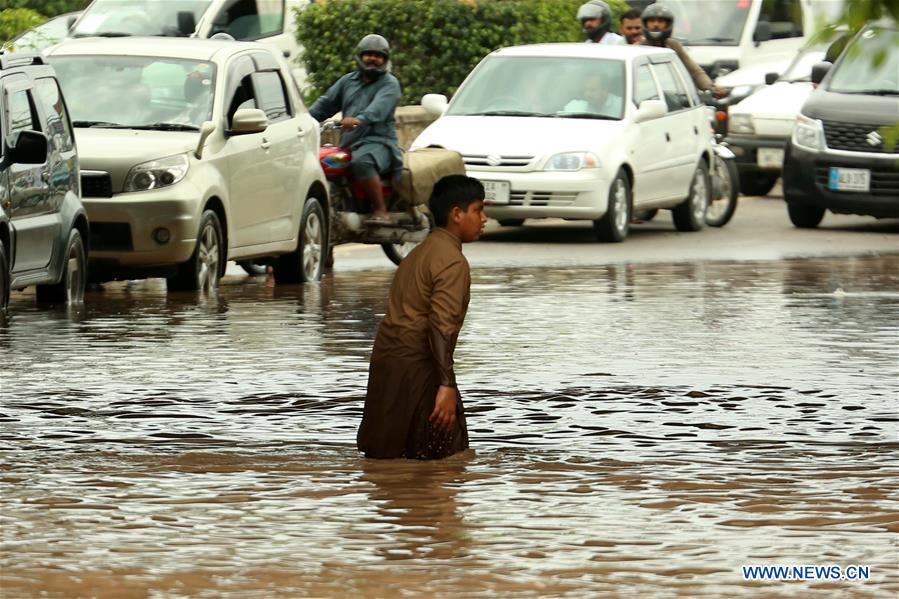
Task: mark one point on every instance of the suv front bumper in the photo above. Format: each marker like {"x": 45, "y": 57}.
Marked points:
{"x": 123, "y": 226}
{"x": 805, "y": 181}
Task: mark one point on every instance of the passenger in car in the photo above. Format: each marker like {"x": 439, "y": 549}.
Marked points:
{"x": 596, "y": 98}
{"x": 412, "y": 406}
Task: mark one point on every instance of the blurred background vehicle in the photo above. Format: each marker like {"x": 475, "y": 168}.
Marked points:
{"x": 41, "y": 37}
{"x": 839, "y": 157}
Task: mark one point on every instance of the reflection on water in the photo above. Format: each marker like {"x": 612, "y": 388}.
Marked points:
{"x": 636, "y": 430}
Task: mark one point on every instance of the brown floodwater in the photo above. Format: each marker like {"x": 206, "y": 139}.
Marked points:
{"x": 636, "y": 431}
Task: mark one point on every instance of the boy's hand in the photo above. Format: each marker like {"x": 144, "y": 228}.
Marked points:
{"x": 444, "y": 414}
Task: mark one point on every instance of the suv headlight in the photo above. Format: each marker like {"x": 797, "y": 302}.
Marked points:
{"x": 808, "y": 133}
{"x": 157, "y": 173}
{"x": 741, "y": 124}
{"x": 571, "y": 161}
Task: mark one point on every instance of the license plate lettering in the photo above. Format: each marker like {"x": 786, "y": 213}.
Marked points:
{"x": 849, "y": 179}
{"x": 496, "y": 192}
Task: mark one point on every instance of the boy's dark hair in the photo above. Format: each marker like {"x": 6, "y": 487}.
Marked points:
{"x": 633, "y": 13}
{"x": 452, "y": 191}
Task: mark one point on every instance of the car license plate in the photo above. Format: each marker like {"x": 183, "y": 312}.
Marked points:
{"x": 849, "y": 179}
{"x": 770, "y": 158}
{"x": 496, "y": 192}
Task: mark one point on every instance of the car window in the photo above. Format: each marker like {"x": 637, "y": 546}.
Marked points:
{"x": 644, "y": 86}
{"x": 250, "y": 19}
{"x": 675, "y": 95}
{"x": 243, "y": 97}
{"x": 543, "y": 86}
{"x": 785, "y": 17}
{"x": 50, "y": 100}
{"x": 270, "y": 95}
{"x": 137, "y": 17}
{"x": 20, "y": 114}
{"x": 869, "y": 65}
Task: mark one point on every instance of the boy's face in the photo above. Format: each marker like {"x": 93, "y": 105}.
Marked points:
{"x": 469, "y": 224}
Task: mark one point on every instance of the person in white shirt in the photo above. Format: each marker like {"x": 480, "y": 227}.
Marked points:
{"x": 595, "y": 17}
{"x": 596, "y": 99}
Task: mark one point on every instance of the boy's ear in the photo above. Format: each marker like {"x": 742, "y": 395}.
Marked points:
{"x": 455, "y": 213}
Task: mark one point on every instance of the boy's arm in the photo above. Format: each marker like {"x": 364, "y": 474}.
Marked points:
{"x": 448, "y": 297}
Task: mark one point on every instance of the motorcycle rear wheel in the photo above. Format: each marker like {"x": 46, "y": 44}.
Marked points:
{"x": 725, "y": 189}
{"x": 397, "y": 251}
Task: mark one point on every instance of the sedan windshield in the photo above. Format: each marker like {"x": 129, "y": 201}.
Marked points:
{"x": 544, "y": 87}
{"x": 136, "y": 91}
{"x": 870, "y": 65}
{"x": 709, "y": 22}
{"x": 801, "y": 67}
{"x": 136, "y": 17}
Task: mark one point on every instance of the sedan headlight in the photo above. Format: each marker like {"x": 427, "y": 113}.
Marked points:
{"x": 808, "y": 133}
{"x": 741, "y": 124}
{"x": 157, "y": 173}
{"x": 571, "y": 161}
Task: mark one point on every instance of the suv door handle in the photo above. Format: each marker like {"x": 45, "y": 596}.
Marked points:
{"x": 266, "y": 144}
{"x": 667, "y": 137}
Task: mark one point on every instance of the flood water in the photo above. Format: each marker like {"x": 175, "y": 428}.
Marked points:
{"x": 636, "y": 431}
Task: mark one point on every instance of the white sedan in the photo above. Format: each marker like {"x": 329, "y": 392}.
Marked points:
{"x": 580, "y": 131}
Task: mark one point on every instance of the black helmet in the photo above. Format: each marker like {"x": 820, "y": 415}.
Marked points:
{"x": 657, "y": 11}
{"x": 595, "y": 9}
{"x": 377, "y": 44}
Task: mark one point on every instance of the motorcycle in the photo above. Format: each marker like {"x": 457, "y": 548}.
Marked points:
{"x": 349, "y": 208}
{"x": 723, "y": 173}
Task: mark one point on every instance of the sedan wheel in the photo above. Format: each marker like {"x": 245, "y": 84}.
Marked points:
{"x": 615, "y": 223}
{"x": 689, "y": 215}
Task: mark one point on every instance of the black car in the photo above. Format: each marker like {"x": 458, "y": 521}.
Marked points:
{"x": 44, "y": 229}
{"x": 840, "y": 158}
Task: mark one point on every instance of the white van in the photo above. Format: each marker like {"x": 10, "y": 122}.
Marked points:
{"x": 268, "y": 21}
{"x": 725, "y": 35}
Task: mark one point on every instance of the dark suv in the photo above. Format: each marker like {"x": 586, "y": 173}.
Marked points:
{"x": 839, "y": 157}
{"x": 43, "y": 226}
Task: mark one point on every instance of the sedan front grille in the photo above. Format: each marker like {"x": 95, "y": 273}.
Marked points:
{"x": 496, "y": 161}
{"x": 96, "y": 185}
{"x": 541, "y": 198}
{"x": 855, "y": 137}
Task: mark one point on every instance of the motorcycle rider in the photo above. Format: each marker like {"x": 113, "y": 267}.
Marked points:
{"x": 658, "y": 22}
{"x": 367, "y": 99}
{"x": 595, "y": 17}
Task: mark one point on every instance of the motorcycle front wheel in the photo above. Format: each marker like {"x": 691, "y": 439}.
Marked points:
{"x": 725, "y": 189}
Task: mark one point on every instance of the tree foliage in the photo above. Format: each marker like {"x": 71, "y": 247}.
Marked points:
{"x": 14, "y": 21}
{"x": 434, "y": 43}
{"x": 48, "y": 8}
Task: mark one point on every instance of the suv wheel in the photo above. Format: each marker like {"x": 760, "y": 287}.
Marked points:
{"x": 308, "y": 260}
{"x": 203, "y": 270}
{"x": 5, "y": 279}
{"x": 805, "y": 216}
{"x": 70, "y": 288}
{"x": 615, "y": 223}
{"x": 689, "y": 215}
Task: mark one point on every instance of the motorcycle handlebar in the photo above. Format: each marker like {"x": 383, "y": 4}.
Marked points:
{"x": 328, "y": 126}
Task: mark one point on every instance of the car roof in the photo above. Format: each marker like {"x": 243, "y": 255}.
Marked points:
{"x": 165, "y": 47}
{"x": 583, "y": 50}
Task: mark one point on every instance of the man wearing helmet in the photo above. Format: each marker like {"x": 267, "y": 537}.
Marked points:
{"x": 658, "y": 22}
{"x": 367, "y": 98}
{"x": 596, "y": 20}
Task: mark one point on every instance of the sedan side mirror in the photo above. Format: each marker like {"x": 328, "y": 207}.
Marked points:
{"x": 649, "y": 110}
{"x": 770, "y": 78}
{"x": 248, "y": 120}
{"x": 434, "y": 104}
{"x": 819, "y": 70}
{"x": 30, "y": 148}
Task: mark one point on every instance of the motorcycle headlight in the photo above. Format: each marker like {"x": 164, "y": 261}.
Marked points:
{"x": 157, "y": 173}
{"x": 808, "y": 133}
{"x": 741, "y": 124}
{"x": 571, "y": 161}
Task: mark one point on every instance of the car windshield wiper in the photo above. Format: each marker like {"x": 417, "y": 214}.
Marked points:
{"x": 707, "y": 39}
{"x": 871, "y": 92}
{"x": 103, "y": 34}
{"x": 506, "y": 113}
{"x": 105, "y": 124}
{"x": 585, "y": 115}
{"x": 165, "y": 127}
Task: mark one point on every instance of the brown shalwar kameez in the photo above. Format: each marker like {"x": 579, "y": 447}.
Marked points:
{"x": 413, "y": 354}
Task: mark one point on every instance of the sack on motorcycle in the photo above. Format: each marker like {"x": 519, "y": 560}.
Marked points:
{"x": 423, "y": 168}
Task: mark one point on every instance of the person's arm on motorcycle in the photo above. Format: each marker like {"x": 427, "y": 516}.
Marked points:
{"x": 329, "y": 103}
{"x": 700, "y": 79}
{"x": 384, "y": 104}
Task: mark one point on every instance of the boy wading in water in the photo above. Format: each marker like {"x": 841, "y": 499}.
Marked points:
{"x": 412, "y": 407}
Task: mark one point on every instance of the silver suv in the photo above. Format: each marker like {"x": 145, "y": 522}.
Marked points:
{"x": 194, "y": 152}
{"x": 43, "y": 226}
